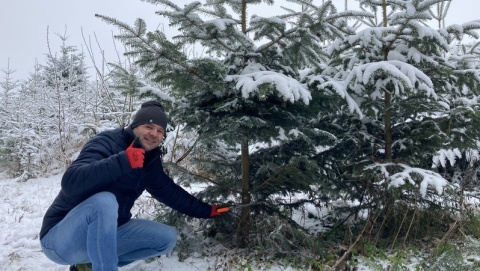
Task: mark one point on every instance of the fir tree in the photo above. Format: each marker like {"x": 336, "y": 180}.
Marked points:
{"x": 246, "y": 101}
{"x": 415, "y": 98}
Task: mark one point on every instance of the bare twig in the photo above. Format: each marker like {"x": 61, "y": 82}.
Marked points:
{"x": 349, "y": 250}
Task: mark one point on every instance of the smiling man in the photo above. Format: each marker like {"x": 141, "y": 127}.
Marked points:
{"x": 89, "y": 224}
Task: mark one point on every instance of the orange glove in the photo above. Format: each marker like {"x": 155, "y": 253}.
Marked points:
{"x": 135, "y": 154}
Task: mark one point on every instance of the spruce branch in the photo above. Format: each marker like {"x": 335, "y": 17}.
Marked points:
{"x": 138, "y": 39}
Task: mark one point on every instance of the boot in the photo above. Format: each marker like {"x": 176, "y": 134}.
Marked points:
{"x": 81, "y": 267}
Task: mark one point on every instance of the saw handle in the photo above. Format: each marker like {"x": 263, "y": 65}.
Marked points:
{"x": 223, "y": 210}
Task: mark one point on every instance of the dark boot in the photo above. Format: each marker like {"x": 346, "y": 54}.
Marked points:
{"x": 81, "y": 267}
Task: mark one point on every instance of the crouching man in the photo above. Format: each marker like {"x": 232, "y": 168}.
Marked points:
{"x": 89, "y": 225}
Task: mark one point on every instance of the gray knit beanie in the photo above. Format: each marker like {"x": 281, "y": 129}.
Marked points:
{"x": 150, "y": 112}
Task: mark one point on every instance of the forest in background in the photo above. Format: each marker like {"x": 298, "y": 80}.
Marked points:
{"x": 369, "y": 114}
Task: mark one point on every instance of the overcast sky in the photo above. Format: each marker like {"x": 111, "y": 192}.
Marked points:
{"x": 24, "y": 23}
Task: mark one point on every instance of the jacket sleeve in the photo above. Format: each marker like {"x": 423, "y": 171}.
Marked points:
{"x": 165, "y": 190}
{"x": 96, "y": 166}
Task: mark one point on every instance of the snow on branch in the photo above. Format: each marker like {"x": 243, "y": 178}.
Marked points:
{"x": 468, "y": 28}
{"x": 254, "y": 77}
{"x": 402, "y": 75}
{"x": 162, "y": 94}
{"x": 442, "y": 156}
{"x": 340, "y": 89}
{"x": 221, "y": 24}
{"x": 410, "y": 174}
{"x": 452, "y": 155}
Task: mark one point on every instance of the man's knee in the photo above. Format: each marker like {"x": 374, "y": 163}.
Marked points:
{"x": 105, "y": 199}
{"x": 165, "y": 240}
{"x": 104, "y": 202}
{"x": 171, "y": 236}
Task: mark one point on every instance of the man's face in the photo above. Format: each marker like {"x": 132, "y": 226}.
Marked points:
{"x": 150, "y": 135}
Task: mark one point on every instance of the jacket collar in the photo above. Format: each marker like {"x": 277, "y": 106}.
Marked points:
{"x": 129, "y": 136}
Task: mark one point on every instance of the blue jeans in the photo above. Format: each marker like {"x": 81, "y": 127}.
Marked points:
{"x": 89, "y": 234}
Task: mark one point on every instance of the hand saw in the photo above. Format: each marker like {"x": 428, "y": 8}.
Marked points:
{"x": 226, "y": 209}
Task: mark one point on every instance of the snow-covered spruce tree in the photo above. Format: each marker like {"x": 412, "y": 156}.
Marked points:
{"x": 416, "y": 99}
{"x": 21, "y": 143}
{"x": 47, "y": 113}
{"x": 65, "y": 78}
{"x": 8, "y": 87}
{"x": 244, "y": 100}
{"x": 460, "y": 164}
{"x": 21, "y": 139}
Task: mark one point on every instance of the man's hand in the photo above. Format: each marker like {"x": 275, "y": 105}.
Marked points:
{"x": 135, "y": 154}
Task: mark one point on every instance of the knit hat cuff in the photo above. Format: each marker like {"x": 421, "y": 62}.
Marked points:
{"x": 150, "y": 112}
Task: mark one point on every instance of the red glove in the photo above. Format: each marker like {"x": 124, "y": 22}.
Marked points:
{"x": 216, "y": 211}
{"x": 135, "y": 154}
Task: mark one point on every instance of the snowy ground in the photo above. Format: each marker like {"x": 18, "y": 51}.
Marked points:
{"x": 22, "y": 206}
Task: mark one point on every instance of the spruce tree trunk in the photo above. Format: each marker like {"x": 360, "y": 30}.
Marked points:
{"x": 244, "y": 223}
{"x": 389, "y": 200}
{"x": 388, "y": 100}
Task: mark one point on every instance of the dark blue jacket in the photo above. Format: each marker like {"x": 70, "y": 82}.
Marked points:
{"x": 102, "y": 165}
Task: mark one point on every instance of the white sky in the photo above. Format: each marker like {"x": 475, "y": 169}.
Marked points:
{"x": 23, "y": 31}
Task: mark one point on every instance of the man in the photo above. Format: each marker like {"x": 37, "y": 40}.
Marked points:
{"x": 89, "y": 223}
